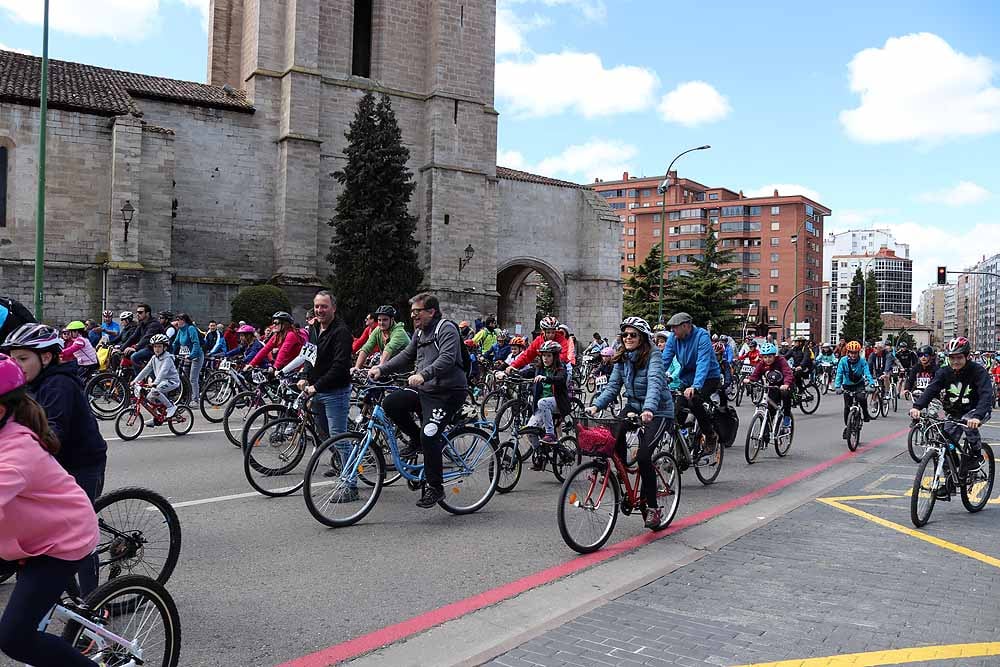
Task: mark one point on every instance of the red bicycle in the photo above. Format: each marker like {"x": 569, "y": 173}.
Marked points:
{"x": 596, "y": 491}
{"x": 130, "y": 423}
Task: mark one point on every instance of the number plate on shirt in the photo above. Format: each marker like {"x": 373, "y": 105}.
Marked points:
{"x": 309, "y": 353}
{"x": 922, "y": 383}
{"x": 225, "y": 365}
{"x": 601, "y": 381}
{"x": 258, "y": 376}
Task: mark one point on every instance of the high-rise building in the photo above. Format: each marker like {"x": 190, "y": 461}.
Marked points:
{"x": 893, "y": 277}
{"x": 966, "y": 290}
{"x": 776, "y": 240}
{"x": 985, "y": 327}
{"x": 950, "y": 307}
{"x": 931, "y": 311}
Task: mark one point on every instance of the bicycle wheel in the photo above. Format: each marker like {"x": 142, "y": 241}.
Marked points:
{"x": 708, "y": 472}
{"x": 129, "y": 424}
{"x": 668, "y": 487}
{"x": 894, "y": 398}
{"x": 874, "y": 404}
{"x": 739, "y": 393}
{"x": 591, "y": 384}
{"x": 809, "y": 399}
{"x": 976, "y": 492}
{"x": 505, "y": 414}
{"x": 825, "y": 383}
{"x": 139, "y": 534}
{"x": 107, "y": 394}
{"x": 214, "y": 397}
{"x": 755, "y": 435}
{"x": 235, "y": 414}
{"x": 565, "y": 455}
{"x": 261, "y": 417}
{"x": 853, "y": 430}
{"x": 331, "y": 491}
{"x": 510, "y": 467}
{"x": 271, "y": 459}
{"x": 915, "y": 443}
{"x": 884, "y": 404}
{"x": 491, "y": 403}
{"x": 588, "y": 506}
{"x": 756, "y": 393}
{"x": 925, "y": 486}
{"x": 471, "y": 470}
{"x": 783, "y": 442}
{"x": 182, "y": 422}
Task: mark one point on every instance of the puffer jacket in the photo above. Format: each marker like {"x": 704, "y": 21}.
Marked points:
{"x": 645, "y": 388}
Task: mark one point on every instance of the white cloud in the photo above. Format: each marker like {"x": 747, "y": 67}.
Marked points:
{"x": 694, "y": 103}
{"x": 4, "y": 47}
{"x": 857, "y": 218}
{"x": 918, "y": 88}
{"x": 202, "y": 7}
{"x": 118, "y": 19}
{"x": 931, "y": 247}
{"x": 511, "y": 31}
{"x": 554, "y": 83}
{"x": 785, "y": 190}
{"x": 965, "y": 192}
{"x": 582, "y": 163}
{"x": 592, "y": 10}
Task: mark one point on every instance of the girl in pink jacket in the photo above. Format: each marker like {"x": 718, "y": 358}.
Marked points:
{"x": 283, "y": 346}
{"x": 47, "y": 525}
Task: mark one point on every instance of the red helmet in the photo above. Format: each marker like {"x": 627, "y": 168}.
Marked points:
{"x": 958, "y": 345}
{"x": 518, "y": 340}
{"x": 719, "y": 347}
{"x": 11, "y": 376}
{"x": 471, "y": 344}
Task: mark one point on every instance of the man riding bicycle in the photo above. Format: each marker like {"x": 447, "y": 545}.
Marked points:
{"x": 801, "y": 361}
{"x": 700, "y": 372}
{"x": 852, "y": 374}
{"x": 921, "y": 373}
{"x": 966, "y": 392}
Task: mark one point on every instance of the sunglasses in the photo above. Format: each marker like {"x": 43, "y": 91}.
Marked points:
{"x": 630, "y": 334}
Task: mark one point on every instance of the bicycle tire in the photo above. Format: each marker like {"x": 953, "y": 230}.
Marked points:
{"x": 510, "y": 467}
{"x": 783, "y": 444}
{"x": 982, "y": 495}
{"x": 739, "y": 393}
{"x": 142, "y": 596}
{"x": 920, "y": 514}
{"x": 809, "y": 399}
{"x": 505, "y": 416}
{"x": 894, "y": 399}
{"x": 482, "y": 456}
{"x": 915, "y": 443}
{"x": 320, "y": 493}
{"x": 129, "y": 424}
{"x": 234, "y": 417}
{"x": 713, "y": 468}
{"x": 565, "y": 454}
{"x": 853, "y": 430}
{"x": 874, "y": 404}
{"x": 883, "y": 404}
{"x": 101, "y": 386}
{"x": 183, "y": 427}
{"x": 213, "y": 404}
{"x": 591, "y": 384}
{"x": 755, "y": 433}
{"x": 490, "y": 405}
{"x": 261, "y": 417}
{"x": 668, "y": 485}
{"x": 128, "y": 516}
{"x": 273, "y": 454}
{"x": 575, "y": 497}
{"x": 756, "y": 393}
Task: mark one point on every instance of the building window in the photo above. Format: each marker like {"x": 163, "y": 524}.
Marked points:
{"x": 656, "y": 217}
{"x": 774, "y": 273}
{"x": 630, "y": 244}
{"x": 755, "y": 210}
{"x": 631, "y": 218}
{"x": 713, "y": 195}
{"x": 646, "y": 193}
{"x": 630, "y": 257}
{"x": 772, "y": 305}
{"x": 733, "y": 211}
{"x": 775, "y": 210}
{"x": 773, "y": 289}
{"x": 775, "y": 241}
{"x": 774, "y": 257}
{"x": 656, "y": 232}
{"x": 775, "y": 225}
{"x": 361, "y": 62}
{"x": 752, "y": 287}
{"x": 3, "y": 186}
{"x": 630, "y": 231}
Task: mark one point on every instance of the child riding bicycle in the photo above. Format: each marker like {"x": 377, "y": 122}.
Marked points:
{"x": 165, "y": 376}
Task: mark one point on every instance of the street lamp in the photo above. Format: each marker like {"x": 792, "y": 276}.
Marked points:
{"x": 127, "y": 212}
{"x": 864, "y": 302}
{"x": 469, "y": 252}
{"x": 662, "y": 191}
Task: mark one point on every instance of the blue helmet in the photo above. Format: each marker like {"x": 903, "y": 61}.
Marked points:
{"x": 768, "y": 348}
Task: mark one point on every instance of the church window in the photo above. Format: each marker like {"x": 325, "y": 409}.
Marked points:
{"x": 361, "y": 64}
{"x": 3, "y": 186}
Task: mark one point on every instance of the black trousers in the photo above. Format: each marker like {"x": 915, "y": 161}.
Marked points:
{"x": 91, "y": 480}
{"x": 696, "y": 404}
{"x": 862, "y": 399}
{"x": 776, "y": 395}
{"x": 436, "y": 410}
{"x": 647, "y": 441}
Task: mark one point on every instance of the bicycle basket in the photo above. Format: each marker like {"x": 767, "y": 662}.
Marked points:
{"x": 594, "y": 438}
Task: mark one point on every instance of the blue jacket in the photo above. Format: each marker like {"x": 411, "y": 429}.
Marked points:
{"x": 59, "y": 390}
{"x": 646, "y": 388}
{"x": 248, "y": 352}
{"x": 187, "y": 335}
{"x": 852, "y": 375}
{"x": 498, "y": 352}
{"x": 698, "y": 361}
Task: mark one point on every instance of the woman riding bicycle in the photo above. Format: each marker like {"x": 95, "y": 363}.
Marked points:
{"x": 283, "y": 346}
{"x": 47, "y": 525}
{"x": 638, "y": 367}
{"x": 78, "y": 347}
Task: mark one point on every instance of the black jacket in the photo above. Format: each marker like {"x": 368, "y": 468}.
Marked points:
{"x": 917, "y": 371}
{"x": 799, "y": 356}
{"x": 333, "y": 356}
{"x": 59, "y": 390}
{"x": 969, "y": 390}
{"x": 560, "y": 390}
{"x": 140, "y": 337}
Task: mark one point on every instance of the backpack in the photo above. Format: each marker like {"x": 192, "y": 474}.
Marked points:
{"x": 464, "y": 358}
{"x": 12, "y": 315}
{"x": 727, "y": 424}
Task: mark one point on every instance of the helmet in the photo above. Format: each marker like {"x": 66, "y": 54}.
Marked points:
{"x": 564, "y": 328}
{"x": 518, "y": 340}
{"x": 958, "y": 345}
{"x": 715, "y": 337}
{"x": 638, "y": 324}
{"x": 752, "y": 343}
{"x": 901, "y": 345}
{"x": 548, "y": 323}
{"x": 165, "y": 315}
{"x": 719, "y": 347}
{"x": 386, "y": 310}
{"x": 159, "y": 339}
{"x": 768, "y": 348}
{"x": 471, "y": 344}
{"x": 108, "y": 313}
{"x": 464, "y": 324}
{"x": 33, "y": 337}
{"x": 660, "y": 327}
{"x": 854, "y": 346}
{"x": 11, "y": 376}
{"x": 503, "y": 335}
{"x": 926, "y": 351}
{"x": 660, "y": 334}
{"x": 608, "y": 352}
{"x": 678, "y": 319}
{"x": 246, "y": 329}
{"x": 126, "y": 315}
{"x": 283, "y": 317}
{"x": 550, "y": 346}
{"x": 76, "y": 325}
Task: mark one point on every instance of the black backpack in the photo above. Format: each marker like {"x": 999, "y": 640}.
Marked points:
{"x": 464, "y": 358}
{"x": 17, "y": 314}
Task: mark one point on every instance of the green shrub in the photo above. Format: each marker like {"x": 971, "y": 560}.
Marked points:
{"x": 257, "y": 304}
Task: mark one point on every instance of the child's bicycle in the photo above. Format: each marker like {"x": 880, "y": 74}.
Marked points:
{"x": 130, "y": 423}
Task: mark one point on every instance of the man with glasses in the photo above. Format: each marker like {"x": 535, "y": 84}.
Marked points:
{"x": 137, "y": 346}
{"x": 922, "y": 372}
{"x": 437, "y": 388}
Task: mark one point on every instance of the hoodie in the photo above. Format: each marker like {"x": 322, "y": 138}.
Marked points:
{"x": 59, "y": 390}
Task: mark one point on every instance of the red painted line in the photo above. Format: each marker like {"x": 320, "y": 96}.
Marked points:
{"x": 393, "y": 633}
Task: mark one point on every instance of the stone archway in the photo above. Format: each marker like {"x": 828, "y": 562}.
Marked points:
{"x": 518, "y": 292}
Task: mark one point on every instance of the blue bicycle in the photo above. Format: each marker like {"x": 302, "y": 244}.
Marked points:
{"x": 346, "y": 473}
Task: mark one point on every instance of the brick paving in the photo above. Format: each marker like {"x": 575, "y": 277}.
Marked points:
{"x": 817, "y": 582}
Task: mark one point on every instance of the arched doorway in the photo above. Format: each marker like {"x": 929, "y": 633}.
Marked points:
{"x": 519, "y": 282}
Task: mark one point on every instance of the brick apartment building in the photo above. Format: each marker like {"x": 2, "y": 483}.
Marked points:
{"x": 760, "y": 231}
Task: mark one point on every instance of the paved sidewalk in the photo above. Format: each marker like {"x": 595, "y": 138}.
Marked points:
{"x": 819, "y": 582}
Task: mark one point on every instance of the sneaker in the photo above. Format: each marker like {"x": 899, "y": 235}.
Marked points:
{"x": 171, "y": 411}
{"x": 345, "y": 496}
{"x": 537, "y": 462}
{"x": 654, "y": 517}
{"x": 531, "y": 430}
{"x": 971, "y": 463}
{"x": 787, "y": 421}
{"x": 150, "y": 423}
{"x": 430, "y": 497}
{"x": 549, "y": 439}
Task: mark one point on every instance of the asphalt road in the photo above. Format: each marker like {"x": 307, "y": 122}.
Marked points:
{"x": 260, "y": 581}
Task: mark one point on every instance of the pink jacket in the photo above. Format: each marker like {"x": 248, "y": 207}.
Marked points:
{"x": 42, "y": 510}
{"x": 290, "y": 348}
{"x": 80, "y": 349}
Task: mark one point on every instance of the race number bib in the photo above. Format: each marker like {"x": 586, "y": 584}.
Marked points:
{"x": 309, "y": 353}
{"x": 923, "y": 382}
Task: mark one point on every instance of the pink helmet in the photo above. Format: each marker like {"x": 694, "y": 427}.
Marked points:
{"x": 608, "y": 352}
{"x": 11, "y": 376}
{"x": 247, "y": 329}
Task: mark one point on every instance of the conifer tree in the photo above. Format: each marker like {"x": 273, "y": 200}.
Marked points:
{"x": 708, "y": 292}
{"x": 642, "y": 289}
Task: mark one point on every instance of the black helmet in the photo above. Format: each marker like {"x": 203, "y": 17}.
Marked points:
{"x": 283, "y": 316}
{"x": 388, "y": 311}
{"x": 165, "y": 315}
{"x": 926, "y": 351}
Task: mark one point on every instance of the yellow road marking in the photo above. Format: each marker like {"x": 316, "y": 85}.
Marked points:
{"x": 936, "y": 541}
{"x": 892, "y": 657}
{"x": 882, "y": 496}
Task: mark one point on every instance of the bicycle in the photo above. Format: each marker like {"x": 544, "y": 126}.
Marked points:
{"x": 130, "y": 424}
{"x": 470, "y": 461}
{"x": 595, "y": 492}
{"x": 107, "y": 392}
{"x": 825, "y": 376}
{"x": 939, "y": 473}
{"x": 243, "y": 407}
{"x": 687, "y": 441}
{"x": 767, "y": 425}
{"x": 514, "y": 414}
{"x": 745, "y": 370}
{"x": 854, "y": 419}
{"x": 916, "y": 437}
{"x": 556, "y": 456}
{"x": 805, "y": 396}
{"x": 220, "y": 388}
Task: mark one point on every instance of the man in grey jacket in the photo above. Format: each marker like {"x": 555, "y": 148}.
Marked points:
{"x": 437, "y": 388}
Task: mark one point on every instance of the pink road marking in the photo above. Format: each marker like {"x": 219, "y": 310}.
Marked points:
{"x": 352, "y": 648}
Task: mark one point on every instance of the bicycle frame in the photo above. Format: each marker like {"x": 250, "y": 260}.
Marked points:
{"x": 100, "y": 635}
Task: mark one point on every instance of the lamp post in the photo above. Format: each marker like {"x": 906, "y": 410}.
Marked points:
{"x": 864, "y": 301}
{"x": 463, "y": 262}
{"x": 127, "y": 212}
{"x": 662, "y": 191}
{"x": 40, "y": 212}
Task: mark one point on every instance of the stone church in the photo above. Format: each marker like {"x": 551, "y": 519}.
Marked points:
{"x": 231, "y": 182}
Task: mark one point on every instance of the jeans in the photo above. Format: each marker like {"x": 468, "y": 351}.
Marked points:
{"x": 195, "y": 376}
{"x": 651, "y": 435}
{"x": 141, "y": 357}
{"x": 436, "y": 410}
{"x": 40, "y": 582}
{"x": 331, "y": 409}
{"x": 91, "y": 480}
{"x": 862, "y": 401}
{"x": 543, "y": 415}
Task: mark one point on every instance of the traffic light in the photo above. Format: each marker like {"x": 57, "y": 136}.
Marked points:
{"x": 942, "y": 275}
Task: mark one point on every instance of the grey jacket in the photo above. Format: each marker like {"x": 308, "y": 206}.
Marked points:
{"x": 436, "y": 358}
{"x": 162, "y": 369}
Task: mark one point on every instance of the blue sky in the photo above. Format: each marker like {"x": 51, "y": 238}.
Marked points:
{"x": 889, "y": 114}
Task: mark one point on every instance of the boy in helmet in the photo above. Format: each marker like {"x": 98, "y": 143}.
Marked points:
{"x": 778, "y": 376}
{"x": 165, "y": 376}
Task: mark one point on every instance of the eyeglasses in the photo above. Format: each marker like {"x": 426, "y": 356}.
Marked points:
{"x": 924, "y": 356}
{"x": 417, "y": 311}
{"x": 142, "y": 312}
{"x": 630, "y": 334}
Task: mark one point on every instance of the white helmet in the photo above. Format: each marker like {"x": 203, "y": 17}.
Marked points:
{"x": 638, "y": 324}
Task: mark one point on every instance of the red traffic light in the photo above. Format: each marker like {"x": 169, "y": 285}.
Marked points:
{"x": 942, "y": 275}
